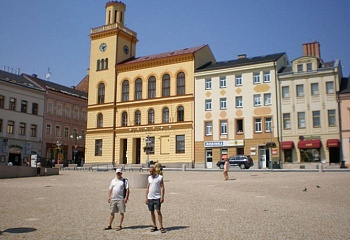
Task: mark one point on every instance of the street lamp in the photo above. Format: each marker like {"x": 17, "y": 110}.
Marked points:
{"x": 147, "y": 149}
{"x": 58, "y": 144}
{"x": 76, "y": 137}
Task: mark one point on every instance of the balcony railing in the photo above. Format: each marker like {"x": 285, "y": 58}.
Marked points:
{"x": 111, "y": 27}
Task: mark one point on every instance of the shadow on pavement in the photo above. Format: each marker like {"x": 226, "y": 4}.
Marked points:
{"x": 18, "y": 230}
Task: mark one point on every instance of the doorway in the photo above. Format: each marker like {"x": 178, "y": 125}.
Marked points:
{"x": 137, "y": 145}
{"x": 262, "y": 157}
{"x": 15, "y": 159}
{"x": 334, "y": 155}
{"x": 209, "y": 158}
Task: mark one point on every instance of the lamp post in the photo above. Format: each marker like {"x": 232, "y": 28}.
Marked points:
{"x": 58, "y": 144}
{"x": 148, "y": 141}
{"x": 76, "y": 137}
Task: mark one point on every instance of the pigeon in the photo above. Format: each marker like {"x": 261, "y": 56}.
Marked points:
{"x": 318, "y": 186}
{"x": 305, "y": 190}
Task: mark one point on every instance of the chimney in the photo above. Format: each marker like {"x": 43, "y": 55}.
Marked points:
{"x": 242, "y": 56}
{"x": 34, "y": 75}
{"x": 312, "y": 49}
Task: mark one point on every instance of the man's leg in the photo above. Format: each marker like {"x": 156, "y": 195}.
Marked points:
{"x": 121, "y": 218}
{"x": 153, "y": 216}
{"x": 160, "y": 218}
{"x": 111, "y": 218}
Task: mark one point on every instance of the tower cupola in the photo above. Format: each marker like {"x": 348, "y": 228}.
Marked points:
{"x": 115, "y": 12}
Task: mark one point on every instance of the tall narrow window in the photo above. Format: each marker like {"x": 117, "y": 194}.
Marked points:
{"x": 138, "y": 89}
{"x": 267, "y": 76}
{"x": 180, "y": 114}
{"x": 239, "y": 81}
{"x": 68, "y": 112}
{"x": 268, "y": 124}
{"x": 48, "y": 129}
{"x": 314, "y": 89}
{"x": 223, "y": 127}
{"x": 125, "y": 91}
{"x": 300, "y": 90}
{"x": 106, "y": 63}
{"x": 22, "y": 129}
{"x": 256, "y": 78}
{"x": 0, "y": 125}
{"x": 208, "y": 83}
{"x": 332, "y": 118}
{"x": 180, "y": 82}
{"x": 124, "y": 119}
{"x": 99, "y": 120}
{"x": 239, "y": 126}
{"x": 285, "y": 92}
{"x": 165, "y": 115}
{"x": 151, "y": 116}
{"x": 207, "y": 104}
{"x": 98, "y": 65}
{"x": 180, "y": 143}
{"x": 66, "y": 132}
{"x": 2, "y": 101}
{"x": 301, "y": 120}
{"x": 208, "y": 128}
{"x": 309, "y": 67}
{"x": 137, "y": 117}
{"x": 239, "y": 102}
{"x": 58, "y": 131}
{"x": 98, "y": 147}
{"x": 102, "y": 64}
{"x": 329, "y": 88}
{"x": 267, "y": 99}
{"x": 24, "y": 106}
{"x": 33, "y": 130}
{"x": 101, "y": 93}
{"x": 166, "y": 85}
{"x": 10, "y": 127}
{"x": 257, "y": 123}
{"x": 286, "y": 121}
{"x": 35, "y": 109}
{"x": 12, "y": 104}
{"x": 223, "y": 103}
{"x": 316, "y": 118}
{"x": 257, "y": 100}
{"x": 223, "y": 82}
{"x": 152, "y": 87}
{"x": 300, "y": 67}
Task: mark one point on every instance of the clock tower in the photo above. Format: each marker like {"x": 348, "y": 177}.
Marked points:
{"x": 111, "y": 44}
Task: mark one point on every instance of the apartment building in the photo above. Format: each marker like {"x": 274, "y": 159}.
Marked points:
{"x": 344, "y": 109}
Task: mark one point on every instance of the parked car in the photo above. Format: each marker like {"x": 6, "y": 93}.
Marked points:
{"x": 243, "y": 161}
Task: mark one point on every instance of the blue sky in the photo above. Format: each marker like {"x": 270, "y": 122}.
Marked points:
{"x": 41, "y": 34}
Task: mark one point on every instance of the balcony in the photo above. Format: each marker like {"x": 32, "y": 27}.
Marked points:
{"x": 114, "y": 26}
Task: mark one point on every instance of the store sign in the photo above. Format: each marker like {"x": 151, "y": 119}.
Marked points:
{"x": 232, "y": 143}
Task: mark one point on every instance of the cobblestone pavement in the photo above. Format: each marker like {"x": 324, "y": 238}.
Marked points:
{"x": 198, "y": 205}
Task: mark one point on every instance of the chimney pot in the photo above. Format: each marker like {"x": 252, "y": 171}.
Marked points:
{"x": 242, "y": 56}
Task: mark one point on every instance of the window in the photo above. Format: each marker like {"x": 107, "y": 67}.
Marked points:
{"x": 180, "y": 143}
{"x": 67, "y": 111}
{"x": 180, "y": 114}
{"x": 208, "y": 83}
{"x": 98, "y": 147}
{"x": 314, "y": 89}
{"x": 223, "y": 127}
{"x": 12, "y": 104}
{"x": 10, "y": 127}
{"x": 84, "y": 115}
{"x": 151, "y": 144}
{"x": 331, "y": 118}
{"x": 101, "y": 93}
{"x": 99, "y": 120}
{"x": 239, "y": 125}
{"x": 222, "y": 82}
{"x": 286, "y": 121}
{"x": 50, "y": 108}
{"x": 300, "y": 90}
{"x": 33, "y": 130}
{"x": 208, "y": 129}
{"x": 180, "y": 83}
{"x": 239, "y": 80}
{"x": 125, "y": 91}
{"x": 329, "y": 87}
{"x": 309, "y": 67}
{"x": 138, "y": 89}
{"x": 316, "y": 118}
{"x": 58, "y": 131}
{"x": 152, "y": 87}
{"x": 22, "y": 129}
{"x": 257, "y": 100}
{"x": 268, "y": 124}
{"x": 239, "y": 102}
{"x": 98, "y": 65}
{"x": 35, "y": 109}
{"x": 66, "y": 132}
{"x": 223, "y": 103}
{"x": 48, "y": 129}
{"x": 124, "y": 119}
{"x": 208, "y": 105}
{"x": 59, "y": 110}
{"x": 151, "y": 116}
{"x": 137, "y": 117}
{"x": 300, "y": 67}
{"x": 165, "y": 115}
{"x": 76, "y": 113}
{"x": 285, "y": 92}
{"x": 257, "y": 123}
{"x": 256, "y": 78}
{"x": 2, "y": 101}
{"x": 267, "y": 77}
{"x": 24, "y": 106}
{"x": 0, "y": 125}
{"x": 301, "y": 120}
{"x": 166, "y": 85}
{"x": 267, "y": 99}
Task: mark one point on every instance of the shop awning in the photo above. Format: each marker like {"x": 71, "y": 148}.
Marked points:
{"x": 310, "y": 144}
{"x": 287, "y": 145}
{"x": 333, "y": 143}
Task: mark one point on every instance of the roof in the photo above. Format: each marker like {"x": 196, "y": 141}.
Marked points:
{"x": 163, "y": 55}
{"x": 56, "y": 87}
{"x": 19, "y": 80}
{"x": 344, "y": 85}
{"x": 322, "y": 66}
{"x": 241, "y": 62}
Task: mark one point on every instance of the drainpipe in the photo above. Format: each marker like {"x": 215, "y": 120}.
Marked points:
{"x": 278, "y": 101}
{"x": 115, "y": 102}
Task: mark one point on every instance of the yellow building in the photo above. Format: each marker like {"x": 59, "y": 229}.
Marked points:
{"x": 139, "y": 102}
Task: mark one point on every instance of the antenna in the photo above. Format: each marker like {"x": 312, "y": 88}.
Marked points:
{"x": 48, "y": 74}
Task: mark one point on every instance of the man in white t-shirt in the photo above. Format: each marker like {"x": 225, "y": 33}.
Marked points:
{"x": 118, "y": 195}
{"x": 155, "y": 197}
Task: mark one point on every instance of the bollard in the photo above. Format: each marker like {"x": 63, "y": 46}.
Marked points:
{"x": 320, "y": 167}
{"x": 183, "y": 167}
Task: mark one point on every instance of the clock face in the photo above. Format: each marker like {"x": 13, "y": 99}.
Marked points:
{"x": 126, "y": 49}
{"x": 103, "y": 47}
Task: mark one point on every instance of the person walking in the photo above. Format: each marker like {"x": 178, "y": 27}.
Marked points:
{"x": 38, "y": 168}
{"x": 155, "y": 197}
{"x": 226, "y": 166}
{"x": 118, "y": 195}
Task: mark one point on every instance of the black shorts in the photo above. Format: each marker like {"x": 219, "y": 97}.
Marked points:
{"x": 154, "y": 204}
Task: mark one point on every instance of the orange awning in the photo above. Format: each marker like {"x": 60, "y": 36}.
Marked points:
{"x": 310, "y": 144}
{"x": 287, "y": 145}
{"x": 333, "y": 143}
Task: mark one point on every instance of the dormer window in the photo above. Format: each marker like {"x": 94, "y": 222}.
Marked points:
{"x": 300, "y": 67}
{"x": 309, "y": 67}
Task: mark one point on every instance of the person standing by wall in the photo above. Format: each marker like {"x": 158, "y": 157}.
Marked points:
{"x": 155, "y": 197}
{"x": 226, "y": 166}
{"x": 38, "y": 168}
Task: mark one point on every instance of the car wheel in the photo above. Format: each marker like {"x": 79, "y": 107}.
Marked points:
{"x": 242, "y": 166}
{"x": 221, "y": 166}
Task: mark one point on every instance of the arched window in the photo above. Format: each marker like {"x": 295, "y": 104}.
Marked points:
{"x": 102, "y": 64}
{"x": 106, "y": 63}
{"x": 125, "y": 91}
{"x": 151, "y": 116}
{"x": 101, "y": 93}
{"x": 180, "y": 83}
{"x": 166, "y": 85}
{"x": 138, "y": 89}
{"x": 99, "y": 120}
{"x": 152, "y": 87}
{"x": 98, "y": 67}
{"x": 165, "y": 116}
{"x": 180, "y": 114}
{"x": 124, "y": 119}
{"x": 137, "y": 117}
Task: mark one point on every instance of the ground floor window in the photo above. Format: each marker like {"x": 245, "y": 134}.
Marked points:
{"x": 180, "y": 143}
{"x": 288, "y": 157}
{"x": 240, "y": 151}
{"x": 98, "y": 147}
{"x": 310, "y": 155}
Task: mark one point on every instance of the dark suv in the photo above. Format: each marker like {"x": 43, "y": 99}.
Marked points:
{"x": 243, "y": 161}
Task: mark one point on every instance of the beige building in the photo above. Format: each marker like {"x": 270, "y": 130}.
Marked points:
{"x": 344, "y": 104}
{"x": 309, "y": 109}
{"x": 139, "y": 102}
{"x": 236, "y": 109}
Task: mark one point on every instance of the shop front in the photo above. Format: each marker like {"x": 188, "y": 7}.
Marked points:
{"x": 287, "y": 147}
{"x": 310, "y": 150}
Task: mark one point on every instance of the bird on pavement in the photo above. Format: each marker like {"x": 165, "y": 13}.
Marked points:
{"x": 318, "y": 186}
{"x": 305, "y": 190}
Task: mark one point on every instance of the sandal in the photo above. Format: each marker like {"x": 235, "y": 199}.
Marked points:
{"x": 162, "y": 230}
{"x": 119, "y": 228}
{"x": 108, "y": 228}
{"x": 153, "y": 229}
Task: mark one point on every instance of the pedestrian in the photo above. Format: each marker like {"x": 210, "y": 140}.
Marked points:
{"x": 155, "y": 197}
{"x": 226, "y": 166}
{"x": 118, "y": 195}
{"x": 158, "y": 168}
{"x": 38, "y": 168}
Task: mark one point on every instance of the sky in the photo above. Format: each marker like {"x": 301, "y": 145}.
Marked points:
{"x": 41, "y": 36}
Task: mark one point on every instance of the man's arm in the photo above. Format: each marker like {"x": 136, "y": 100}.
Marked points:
{"x": 109, "y": 195}
{"x": 147, "y": 190}
{"x": 162, "y": 191}
{"x": 126, "y": 195}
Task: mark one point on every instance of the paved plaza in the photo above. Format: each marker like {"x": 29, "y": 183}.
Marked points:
{"x": 198, "y": 205}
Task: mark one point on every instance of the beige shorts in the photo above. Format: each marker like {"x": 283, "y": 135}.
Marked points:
{"x": 117, "y": 206}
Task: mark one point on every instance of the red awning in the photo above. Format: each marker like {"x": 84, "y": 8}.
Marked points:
{"x": 333, "y": 143}
{"x": 310, "y": 144}
{"x": 287, "y": 145}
